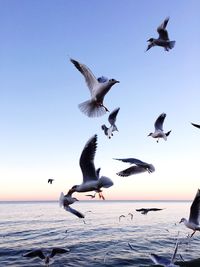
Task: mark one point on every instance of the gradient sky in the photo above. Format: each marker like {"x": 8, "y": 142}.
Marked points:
{"x": 42, "y": 130}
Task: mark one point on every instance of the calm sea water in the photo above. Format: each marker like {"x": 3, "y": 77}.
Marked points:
{"x": 102, "y": 240}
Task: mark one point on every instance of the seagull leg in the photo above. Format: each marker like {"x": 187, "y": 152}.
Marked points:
{"x": 101, "y": 196}
{"x": 193, "y": 234}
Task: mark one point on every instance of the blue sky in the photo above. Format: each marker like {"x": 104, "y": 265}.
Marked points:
{"x": 42, "y": 130}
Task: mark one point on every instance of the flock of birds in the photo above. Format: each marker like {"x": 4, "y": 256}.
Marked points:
{"x": 92, "y": 181}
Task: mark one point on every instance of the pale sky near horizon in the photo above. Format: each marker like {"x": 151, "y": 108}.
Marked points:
{"x": 42, "y": 130}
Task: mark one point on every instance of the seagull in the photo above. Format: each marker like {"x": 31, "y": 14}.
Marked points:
{"x": 98, "y": 89}
{"x": 139, "y": 167}
{"x": 159, "y": 260}
{"x": 194, "y": 219}
{"x": 159, "y": 133}
{"x": 131, "y": 214}
{"x": 50, "y": 181}
{"x": 163, "y": 39}
{"x": 112, "y": 119}
{"x": 66, "y": 200}
{"x": 196, "y": 125}
{"x": 121, "y": 216}
{"x": 145, "y": 211}
{"x": 39, "y": 253}
{"x": 91, "y": 179}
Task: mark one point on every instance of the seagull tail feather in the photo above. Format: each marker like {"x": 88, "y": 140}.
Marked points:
{"x": 91, "y": 109}
{"x": 172, "y": 44}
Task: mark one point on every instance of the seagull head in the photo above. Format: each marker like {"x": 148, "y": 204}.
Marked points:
{"x": 150, "y": 40}
{"x": 113, "y": 81}
{"x": 183, "y": 220}
{"x": 103, "y": 127}
{"x": 150, "y": 134}
{"x": 73, "y": 189}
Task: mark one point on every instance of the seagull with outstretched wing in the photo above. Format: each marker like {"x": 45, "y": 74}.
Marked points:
{"x": 194, "y": 218}
{"x": 108, "y": 131}
{"x": 91, "y": 179}
{"x": 39, "y": 253}
{"x": 158, "y": 125}
{"x": 163, "y": 38}
{"x": 98, "y": 89}
{"x": 138, "y": 167}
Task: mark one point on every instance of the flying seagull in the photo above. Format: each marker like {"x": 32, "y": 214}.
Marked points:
{"x": 91, "y": 179}
{"x": 196, "y": 125}
{"x": 159, "y": 133}
{"x": 98, "y": 89}
{"x": 194, "y": 219}
{"x": 39, "y": 253}
{"x": 145, "y": 211}
{"x": 66, "y": 200}
{"x": 112, "y": 119}
{"x": 138, "y": 167}
{"x": 163, "y": 39}
{"x": 121, "y": 216}
{"x": 159, "y": 260}
{"x": 50, "y": 181}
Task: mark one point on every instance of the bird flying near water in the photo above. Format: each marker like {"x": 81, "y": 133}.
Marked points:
{"x": 98, "y": 89}
{"x": 138, "y": 167}
{"x": 163, "y": 38}
{"x": 112, "y": 119}
{"x": 158, "y": 125}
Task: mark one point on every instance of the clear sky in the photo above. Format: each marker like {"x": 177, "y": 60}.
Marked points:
{"x": 41, "y": 128}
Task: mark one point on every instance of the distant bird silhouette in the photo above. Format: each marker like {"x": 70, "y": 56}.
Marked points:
{"x": 159, "y": 133}
{"x": 92, "y": 196}
{"x": 50, "y": 181}
{"x": 39, "y": 253}
{"x": 161, "y": 261}
{"x": 194, "y": 218}
{"x": 121, "y": 216}
{"x": 196, "y": 125}
{"x": 131, "y": 214}
{"x": 163, "y": 39}
{"x": 98, "y": 89}
{"x": 145, "y": 211}
{"x": 65, "y": 202}
{"x": 139, "y": 167}
{"x": 91, "y": 179}
{"x": 112, "y": 119}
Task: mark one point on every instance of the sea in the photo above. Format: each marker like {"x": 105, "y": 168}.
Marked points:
{"x": 102, "y": 238}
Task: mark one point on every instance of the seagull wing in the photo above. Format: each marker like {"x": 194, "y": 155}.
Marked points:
{"x": 87, "y": 160}
{"x": 159, "y": 122}
{"x": 175, "y": 251}
{"x": 73, "y": 211}
{"x": 87, "y": 73}
{"x": 195, "y": 209}
{"x": 163, "y": 34}
{"x": 132, "y": 170}
{"x": 113, "y": 115}
{"x": 58, "y": 251}
{"x": 133, "y": 161}
{"x": 35, "y": 253}
{"x": 159, "y": 260}
{"x": 195, "y": 125}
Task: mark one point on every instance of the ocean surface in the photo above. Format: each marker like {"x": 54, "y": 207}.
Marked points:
{"x": 101, "y": 239}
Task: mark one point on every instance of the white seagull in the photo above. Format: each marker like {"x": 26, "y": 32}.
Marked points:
{"x": 112, "y": 119}
{"x": 138, "y": 167}
{"x": 159, "y": 260}
{"x": 194, "y": 219}
{"x": 39, "y": 253}
{"x": 159, "y": 133}
{"x": 91, "y": 179}
{"x": 98, "y": 89}
{"x": 66, "y": 200}
{"x": 163, "y": 39}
